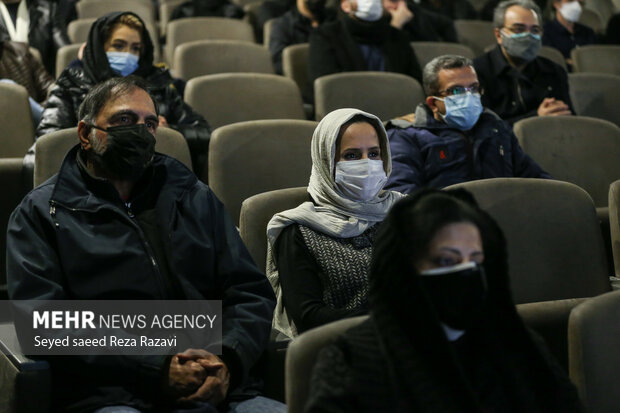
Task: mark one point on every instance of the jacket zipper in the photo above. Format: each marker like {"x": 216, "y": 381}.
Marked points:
{"x": 519, "y": 94}
{"x": 130, "y": 218}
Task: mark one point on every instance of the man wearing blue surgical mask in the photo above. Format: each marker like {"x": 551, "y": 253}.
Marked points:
{"x": 518, "y": 83}
{"x": 451, "y": 138}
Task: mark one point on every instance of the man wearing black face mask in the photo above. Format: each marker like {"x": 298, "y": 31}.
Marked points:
{"x": 120, "y": 221}
{"x": 517, "y": 83}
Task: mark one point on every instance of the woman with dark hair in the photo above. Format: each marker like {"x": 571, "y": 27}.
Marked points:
{"x": 319, "y": 253}
{"x": 443, "y": 334}
{"x": 119, "y": 45}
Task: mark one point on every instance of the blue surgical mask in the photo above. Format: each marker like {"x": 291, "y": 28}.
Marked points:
{"x": 123, "y": 63}
{"x": 523, "y": 46}
{"x": 462, "y": 111}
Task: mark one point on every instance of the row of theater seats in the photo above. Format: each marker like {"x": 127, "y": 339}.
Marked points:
{"x": 556, "y": 258}
{"x": 477, "y": 36}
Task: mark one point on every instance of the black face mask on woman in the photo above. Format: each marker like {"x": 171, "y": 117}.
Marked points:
{"x": 457, "y": 293}
{"x": 129, "y": 151}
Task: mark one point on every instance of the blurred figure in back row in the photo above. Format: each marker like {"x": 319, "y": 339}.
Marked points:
{"x": 564, "y": 32}
{"x": 119, "y": 45}
{"x": 18, "y": 65}
{"x": 443, "y": 333}
{"x": 360, "y": 39}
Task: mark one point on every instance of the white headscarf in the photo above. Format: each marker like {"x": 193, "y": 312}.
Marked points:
{"x": 331, "y": 212}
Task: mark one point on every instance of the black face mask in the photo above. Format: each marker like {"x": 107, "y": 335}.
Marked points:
{"x": 129, "y": 151}
{"x": 457, "y": 293}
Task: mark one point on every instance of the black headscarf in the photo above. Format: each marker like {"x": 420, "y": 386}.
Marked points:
{"x": 95, "y": 60}
{"x": 411, "y": 336}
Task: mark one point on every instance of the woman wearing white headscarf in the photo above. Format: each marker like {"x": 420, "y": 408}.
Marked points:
{"x": 319, "y": 253}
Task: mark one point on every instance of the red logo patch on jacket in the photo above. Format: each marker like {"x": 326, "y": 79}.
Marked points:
{"x": 443, "y": 153}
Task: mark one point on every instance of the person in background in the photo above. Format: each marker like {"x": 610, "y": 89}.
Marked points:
{"x": 19, "y": 66}
{"x": 360, "y": 39}
{"x": 420, "y": 24}
{"x": 319, "y": 253}
{"x": 294, "y": 27}
{"x": 454, "y": 9}
{"x": 564, "y": 32}
{"x": 207, "y": 8}
{"x": 41, "y": 24}
{"x": 612, "y": 33}
{"x": 119, "y": 45}
{"x": 452, "y": 137}
{"x": 517, "y": 82}
{"x": 443, "y": 333}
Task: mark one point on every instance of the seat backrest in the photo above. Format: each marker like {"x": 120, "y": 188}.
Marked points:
{"x": 301, "y": 357}
{"x": 614, "y": 222}
{"x": 592, "y": 19}
{"x": 165, "y": 11}
{"x": 51, "y": 150}
{"x": 267, "y": 32}
{"x": 555, "y": 245}
{"x": 97, "y": 8}
{"x": 596, "y": 59}
{"x": 65, "y": 55}
{"x": 206, "y": 57}
{"x": 593, "y": 342}
{"x": 554, "y": 55}
{"x": 581, "y": 150}
{"x": 205, "y": 28}
{"x": 13, "y": 190}
{"x": 77, "y": 30}
{"x": 596, "y": 95}
{"x": 295, "y": 64}
{"x": 386, "y": 95}
{"x": 248, "y": 158}
{"x": 605, "y": 9}
{"x": 257, "y": 211}
{"x": 477, "y": 34}
{"x": 227, "y": 98}
{"x": 427, "y": 51}
{"x": 17, "y": 131}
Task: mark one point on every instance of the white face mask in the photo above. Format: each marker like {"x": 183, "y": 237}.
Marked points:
{"x": 571, "y": 11}
{"x": 360, "y": 180}
{"x": 369, "y": 10}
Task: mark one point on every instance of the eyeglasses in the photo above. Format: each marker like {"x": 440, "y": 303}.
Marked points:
{"x": 522, "y": 28}
{"x": 461, "y": 90}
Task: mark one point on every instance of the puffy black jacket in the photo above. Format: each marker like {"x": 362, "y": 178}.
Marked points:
{"x": 73, "y": 238}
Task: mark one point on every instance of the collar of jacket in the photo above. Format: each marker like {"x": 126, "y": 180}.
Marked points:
{"x": 76, "y": 189}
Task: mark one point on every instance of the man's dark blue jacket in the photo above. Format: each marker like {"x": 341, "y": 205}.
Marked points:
{"x": 73, "y": 237}
{"x": 429, "y": 153}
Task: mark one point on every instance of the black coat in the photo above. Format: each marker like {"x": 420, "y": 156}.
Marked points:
{"x": 334, "y": 48}
{"x": 289, "y": 29}
{"x": 48, "y": 30}
{"x": 454, "y": 9}
{"x": 400, "y": 359}
{"x": 428, "y": 26}
{"x": 61, "y": 110}
{"x": 73, "y": 238}
{"x": 515, "y": 95}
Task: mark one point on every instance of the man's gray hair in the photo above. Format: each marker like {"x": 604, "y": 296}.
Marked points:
{"x": 499, "y": 14}
{"x": 430, "y": 76}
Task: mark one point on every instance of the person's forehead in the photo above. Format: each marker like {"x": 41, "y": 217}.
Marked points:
{"x": 136, "y": 100}
{"x": 520, "y": 15}
{"x": 463, "y": 76}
